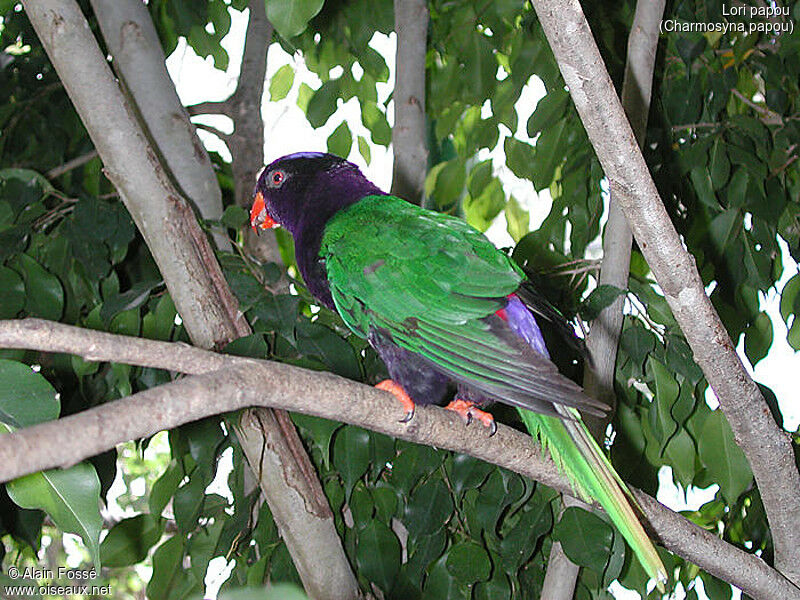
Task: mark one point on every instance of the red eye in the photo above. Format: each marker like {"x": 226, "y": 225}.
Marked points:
{"x": 277, "y": 178}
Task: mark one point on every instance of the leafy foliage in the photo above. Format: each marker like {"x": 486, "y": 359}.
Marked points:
{"x": 416, "y": 522}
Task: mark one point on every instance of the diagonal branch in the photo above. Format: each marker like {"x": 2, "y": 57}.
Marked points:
{"x": 196, "y": 284}
{"x": 139, "y": 60}
{"x": 767, "y": 448}
{"x": 603, "y": 339}
{"x": 227, "y": 383}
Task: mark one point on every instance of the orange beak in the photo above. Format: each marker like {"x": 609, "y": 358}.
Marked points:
{"x": 259, "y": 217}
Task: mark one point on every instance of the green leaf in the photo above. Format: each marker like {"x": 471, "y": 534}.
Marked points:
{"x": 378, "y": 554}
{"x": 340, "y": 141}
{"x": 375, "y": 120}
{"x": 585, "y": 538}
{"x": 719, "y": 165}
{"x": 548, "y": 110}
{"x": 137, "y": 295}
{"x": 69, "y": 496}
{"x": 519, "y": 157}
{"x": 440, "y": 583}
{"x": 411, "y": 464}
{"x": 26, "y": 397}
{"x": 497, "y": 588}
{"x": 548, "y": 155}
{"x": 724, "y": 460}
{"x": 701, "y": 181}
{"x": 601, "y": 297}
{"x": 170, "y": 581}
{"x": 481, "y": 210}
{"x": 291, "y": 17}
{"x": 465, "y": 472}
{"x": 317, "y": 340}
{"x": 281, "y": 82}
{"x": 480, "y": 68}
{"x": 736, "y": 192}
{"x": 323, "y": 103}
{"x": 468, "y": 562}
{"x": 667, "y": 391}
{"x": 234, "y": 217}
{"x": 758, "y": 338}
{"x": 517, "y": 219}
{"x": 428, "y": 509}
{"x": 790, "y": 298}
{"x": 252, "y": 345}
{"x": 274, "y": 591}
{"x": 12, "y": 293}
{"x": 450, "y": 182}
{"x": 304, "y": 94}
{"x": 320, "y": 430}
{"x": 187, "y": 503}
{"x": 164, "y": 487}
{"x": 351, "y": 455}
{"x": 363, "y": 149}
{"x": 129, "y": 541}
{"x": 29, "y": 177}
{"x": 725, "y": 228}
{"x": 43, "y": 292}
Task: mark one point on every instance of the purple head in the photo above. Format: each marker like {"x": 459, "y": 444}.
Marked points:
{"x": 301, "y": 192}
{"x": 306, "y": 189}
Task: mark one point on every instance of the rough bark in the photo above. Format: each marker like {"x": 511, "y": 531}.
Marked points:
{"x": 767, "y": 448}
{"x": 140, "y": 62}
{"x": 187, "y": 263}
{"x": 409, "y": 135}
{"x": 603, "y": 339}
{"x": 222, "y": 383}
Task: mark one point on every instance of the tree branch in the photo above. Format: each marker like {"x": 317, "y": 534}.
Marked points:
{"x": 218, "y": 107}
{"x": 140, "y": 62}
{"x": 192, "y": 275}
{"x": 247, "y": 142}
{"x": 227, "y": 383}
{"x": 603, "y": 339}
{"x": 409, "y": 134}
{"x": 68, "y": 166}
{"x": 767, "y": 448}
{"x": 225, "y": 137}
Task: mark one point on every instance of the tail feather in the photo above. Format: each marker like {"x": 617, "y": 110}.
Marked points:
{"x": 577, "y": 454}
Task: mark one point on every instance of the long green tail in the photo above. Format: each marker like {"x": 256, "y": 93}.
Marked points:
{"x": 577, "y": 454}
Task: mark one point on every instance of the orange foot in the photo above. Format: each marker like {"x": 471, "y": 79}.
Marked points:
{"x": 468, "y": 412}
{"x": 396, "y": 390}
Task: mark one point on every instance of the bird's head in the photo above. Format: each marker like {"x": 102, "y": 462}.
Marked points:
{"x": 302, "y": 184}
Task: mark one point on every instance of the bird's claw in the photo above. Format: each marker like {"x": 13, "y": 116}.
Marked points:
{"x": 408, "y": 416}
{"x": 396, "y": 390}
{"x": 468, "y": 412}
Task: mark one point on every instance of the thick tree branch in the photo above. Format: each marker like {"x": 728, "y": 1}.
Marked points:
{"x": 409, "y": 134}
{"x": 603, "y": 339}
{"x": 228, "y": 383}
{"x": 139, "y": 60}
{"x": 768, "y": 449}
{"x": 192, "y": 275}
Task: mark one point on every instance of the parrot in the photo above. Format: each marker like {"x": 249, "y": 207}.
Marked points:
{"x": 442, "y": 307}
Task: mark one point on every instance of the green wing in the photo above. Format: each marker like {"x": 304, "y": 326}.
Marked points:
{"x": 431, "y": 281}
